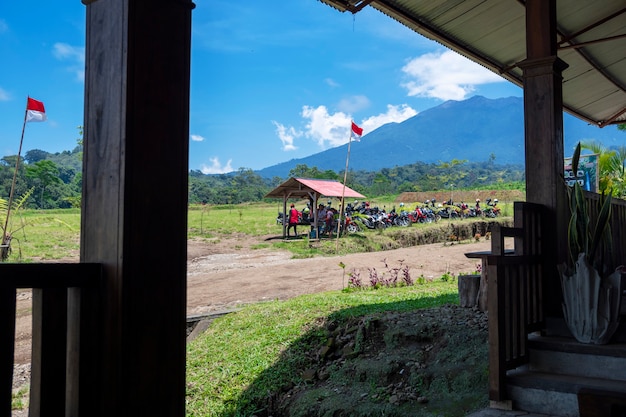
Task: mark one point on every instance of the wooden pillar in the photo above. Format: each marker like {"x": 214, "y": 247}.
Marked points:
{"x": 543, "y": 124}
{"x": 131, "y": 358}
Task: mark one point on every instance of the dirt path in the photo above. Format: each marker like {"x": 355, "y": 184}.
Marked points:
{"x": 226, "y": 272}
{"x": 220, "y": 278}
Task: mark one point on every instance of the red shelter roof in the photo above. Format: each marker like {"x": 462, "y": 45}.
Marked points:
{"x": 304, "y": 188}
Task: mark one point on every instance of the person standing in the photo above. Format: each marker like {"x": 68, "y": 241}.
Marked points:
{"x": 293, "y": 220}
{"x": 321, "y": 218}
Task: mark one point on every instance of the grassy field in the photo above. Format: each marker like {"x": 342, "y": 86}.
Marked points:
{"x": 43, "y": 235}
{"x": 243, "y": 356}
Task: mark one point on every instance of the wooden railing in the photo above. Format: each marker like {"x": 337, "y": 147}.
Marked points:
{"x": 516, "y": 283}
{"x": 50, "y": 347}
{"x": 515, "y": 293}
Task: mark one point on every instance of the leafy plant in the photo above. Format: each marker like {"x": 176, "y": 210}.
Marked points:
{"x": 582, "y": 236}
{"x": 448, "y": 276}
{"x": 591, "y": 295}
{"x": 477, "y": 271}
{"x": 7, "y": 228}
{"x": 392, "y": 277}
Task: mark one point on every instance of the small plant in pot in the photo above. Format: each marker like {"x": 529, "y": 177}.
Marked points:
{"x": 591, "y": 293}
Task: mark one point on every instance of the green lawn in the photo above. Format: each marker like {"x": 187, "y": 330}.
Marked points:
{"x": 227, "y": 366}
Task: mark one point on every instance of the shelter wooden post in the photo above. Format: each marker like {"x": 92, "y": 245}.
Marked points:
{"x": 543, "y": 124}
{"x": 131, "y": 360}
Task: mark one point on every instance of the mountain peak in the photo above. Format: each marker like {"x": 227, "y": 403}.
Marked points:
{"x": 474, "y": 129}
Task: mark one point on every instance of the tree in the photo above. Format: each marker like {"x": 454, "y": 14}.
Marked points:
{"x": 611, "y": 171}
{"x": 46, "y": 173}
{"x": 35, "y": 155}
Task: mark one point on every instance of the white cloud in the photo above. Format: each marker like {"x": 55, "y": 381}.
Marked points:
{"x": 196, "y": 138}
{"x": 4, "y": 96}
{"x": 446, "y": 76}
{"x": 330, "y": 130}
{"x": 353, "y": 104}
{"x": 216, "y": 167}
{"x": 332, "y": 83}
{"x": 394, "y": 114}
{"x": 65, "y": 52}
{"x": 287, "y": 134}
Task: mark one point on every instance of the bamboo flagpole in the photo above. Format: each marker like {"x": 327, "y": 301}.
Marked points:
{"x": 355, "y": 132}
{"x": 35, "y": 112}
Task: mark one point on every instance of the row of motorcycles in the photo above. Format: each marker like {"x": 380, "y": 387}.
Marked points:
{"x": 375, "y": 218}
{"x": 359, "y": 215}
{"x": 462, "y": 211}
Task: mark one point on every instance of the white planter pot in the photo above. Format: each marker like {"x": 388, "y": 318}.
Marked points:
{"x": 591, "y": 304}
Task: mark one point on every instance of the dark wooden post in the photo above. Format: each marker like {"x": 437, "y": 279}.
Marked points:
{"x": 543, "y": 124}
{"x": 47, "y": 386}
{"x": 7, "y": 347}
{"x": 131, "y": 360}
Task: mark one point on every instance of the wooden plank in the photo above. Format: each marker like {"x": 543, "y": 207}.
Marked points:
{"x": 50, "y": 275}
{"x": 515, "y": 259}
{"x": 601, "y": 403}
{"x": 7, "y": 347}
{"x": 495, "y": 349}
{"x": 47, "y": 384}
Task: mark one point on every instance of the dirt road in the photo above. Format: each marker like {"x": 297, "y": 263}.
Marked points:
{"x": 220, "y": 277}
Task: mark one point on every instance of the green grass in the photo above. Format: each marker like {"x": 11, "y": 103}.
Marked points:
{"x": 55, "y": 234}
{"x": 261, "y": 348}
{"x": 255, "y": 219}
{"x": 44, "y": 234}
{"x": 19, "y": 398}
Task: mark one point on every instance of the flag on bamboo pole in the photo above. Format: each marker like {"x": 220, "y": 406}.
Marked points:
{"x": 357, "y": 132}
{"x": 35, "y": 112}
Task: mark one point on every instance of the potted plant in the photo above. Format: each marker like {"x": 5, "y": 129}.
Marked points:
{"x": 591, "y": 293}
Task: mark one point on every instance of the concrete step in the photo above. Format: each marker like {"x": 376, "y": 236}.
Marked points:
{"x": 565, "y": 356}
{"x": 554, "y": 394}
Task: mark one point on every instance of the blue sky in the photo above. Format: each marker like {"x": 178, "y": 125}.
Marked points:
{"x": 270, "y": 81}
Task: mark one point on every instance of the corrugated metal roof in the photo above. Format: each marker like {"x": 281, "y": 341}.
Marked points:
{"x": 591, "y": 40}
{"x": 302, "y": 187}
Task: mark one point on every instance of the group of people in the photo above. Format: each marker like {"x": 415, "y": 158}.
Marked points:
{"x": 325, "y": 217}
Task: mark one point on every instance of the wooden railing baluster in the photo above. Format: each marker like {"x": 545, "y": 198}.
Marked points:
{"x": 7, "y": 347}
{"x": 50, "y": 284}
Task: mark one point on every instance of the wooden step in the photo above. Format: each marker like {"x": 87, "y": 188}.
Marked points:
{"x": 568, "y": 357}
{"x": 565, "y": 377}
{"x": 555, "y": 394}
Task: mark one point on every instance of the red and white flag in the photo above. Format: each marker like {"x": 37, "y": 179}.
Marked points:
{"x": 35, "y": 112}
{"x": 357, "y": 132}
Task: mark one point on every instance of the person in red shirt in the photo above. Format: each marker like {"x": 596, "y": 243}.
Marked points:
{"x": 293, "y": 220}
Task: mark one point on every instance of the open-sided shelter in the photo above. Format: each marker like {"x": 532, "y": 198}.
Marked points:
{"x": 110, "y": 331}
{"x": 311, "y": 189}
